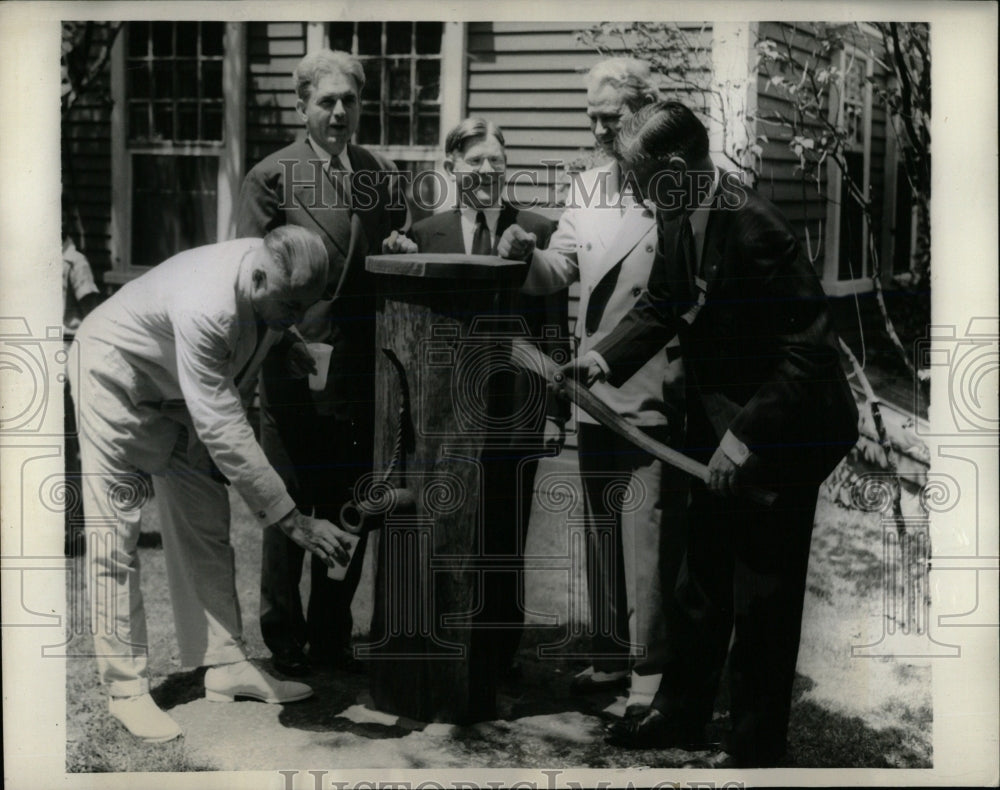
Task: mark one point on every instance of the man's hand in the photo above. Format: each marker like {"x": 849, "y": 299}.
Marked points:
{"x": 516, "y": 243}
{"x": 299, "y": 361}
{"x": 584, "y": 369}
{"x": 398, "y": 243}
{"x": 723, "y": 474}
{"x": 317, "y": 535}
{"x": 554, "y": 435}
{"x": 315, "y": 326}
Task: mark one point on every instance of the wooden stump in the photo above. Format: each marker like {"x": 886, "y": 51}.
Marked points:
{"x": 436, "y": 348}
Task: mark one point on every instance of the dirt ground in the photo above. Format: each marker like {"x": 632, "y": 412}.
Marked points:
{"x": 861, "y": 711}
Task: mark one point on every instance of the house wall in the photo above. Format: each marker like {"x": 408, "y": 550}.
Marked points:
{"x": 528, "y": 78}
{"x": 86, "y": 165}
{"x": 273, "y": 51}
{"x": 781, "y": 179}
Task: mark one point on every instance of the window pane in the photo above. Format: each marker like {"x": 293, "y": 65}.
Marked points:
{"x": 187, "y": 79}
{"x": 369, "y": 38}
{"x": 373, "y": 77}
{"x": 852, "y": 222}
{"x": 211, "y": 122}
{"x": 399, "y": 129}
{"x": 341, "y": 35}
{"x": 138, "y": 80}
{"x": 187, "y": 38}
{"x": 174, "y": 205}
{"x": 398, "y": 38}
{"x": 187, "y": 121}
{"x": 163, "y": 38}
{"x": 163, "y": 79}
{"x": 429, "y": 37}
{"x": 211, "y": 87}
{"x": 138, "y": 121}
{"x": 428, "y": 80}
{"x": 370, "y": 129}
{"x": 428, "y": 129}
{"x": 163, "y": 121}
{"x": 138, "y": 39}
{"x": 399, "y": 80}
{"x": 211, "y": 37}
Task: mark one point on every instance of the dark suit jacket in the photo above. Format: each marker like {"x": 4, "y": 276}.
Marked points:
{"x": 762, "y": 356}
{"x": 291, "y": 187}
{"x": 443, "y": 233}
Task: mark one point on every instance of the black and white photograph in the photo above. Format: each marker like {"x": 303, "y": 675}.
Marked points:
{"x": 499, "y": 395}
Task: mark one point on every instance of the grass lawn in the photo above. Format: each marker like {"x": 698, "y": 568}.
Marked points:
{"x": 847, "y": 712}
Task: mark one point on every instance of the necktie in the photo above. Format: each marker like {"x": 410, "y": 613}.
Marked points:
{"x": 687, "y": 253}
{"x": 686, "y": 250}
{"x": 481, "y": 244}
{"x": 342, "y": 185}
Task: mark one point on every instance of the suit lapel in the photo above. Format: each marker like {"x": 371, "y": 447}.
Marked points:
{"x": 633, "y": 227}
{"x": 309, "y": 176}
{"x": 447, "y": 235}
{"x": 715, "y": 232}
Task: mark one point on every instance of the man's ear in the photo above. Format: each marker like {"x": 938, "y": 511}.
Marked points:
{"x": 300, "y": 108}
{"x": 259, "y": 279}
{"x": 677, "y": 163}
{"x": 449, "y": 167}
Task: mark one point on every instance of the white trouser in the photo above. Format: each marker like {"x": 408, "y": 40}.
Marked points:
{"x": 120, "y": 434}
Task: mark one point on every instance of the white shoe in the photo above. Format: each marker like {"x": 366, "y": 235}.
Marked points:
{"x": 226, "y": 682}
{"x": 143, "y": 718}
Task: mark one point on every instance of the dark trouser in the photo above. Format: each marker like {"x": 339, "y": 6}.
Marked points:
{"x": 636, "y": 530}
{"x": 744, "y": 569}
{"x": 321, "y": 459}
{"x": 507, "y": 495}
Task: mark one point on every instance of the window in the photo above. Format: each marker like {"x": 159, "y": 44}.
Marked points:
{"x": 846, "y": 266}
{"x": 413, "y": 90}
{"x": 175, "y": 129}
{"x": 402, "y": 98}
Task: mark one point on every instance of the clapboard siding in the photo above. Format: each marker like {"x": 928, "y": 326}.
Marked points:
{"x": 781, "y": 180}
{"x": 86, "y": 167}
{"x": 274, "y": 49}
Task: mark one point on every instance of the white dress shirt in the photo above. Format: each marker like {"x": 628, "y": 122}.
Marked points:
{"x": 468, "y": 213}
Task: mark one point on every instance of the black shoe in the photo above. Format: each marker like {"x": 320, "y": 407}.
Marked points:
{"x": 340, "y": 660}
{"x": 591, "y": 681}
{"x": 652, "y": 730}
{"x": 292, "y": 663}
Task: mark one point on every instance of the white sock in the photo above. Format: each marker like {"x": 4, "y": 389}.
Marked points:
{"x": 642, "y": 689}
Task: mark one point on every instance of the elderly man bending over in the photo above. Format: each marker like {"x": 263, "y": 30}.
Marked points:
{"x": 167, "y": 366}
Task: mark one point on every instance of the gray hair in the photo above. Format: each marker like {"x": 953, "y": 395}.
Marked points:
{"x": 630, "y": 75}
{"x": 470, "y": 129}
{"x": 322, "y": 62}
{"x": 300, "y": 256}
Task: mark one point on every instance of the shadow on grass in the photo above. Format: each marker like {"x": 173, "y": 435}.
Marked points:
{"x": 180, "y": 688}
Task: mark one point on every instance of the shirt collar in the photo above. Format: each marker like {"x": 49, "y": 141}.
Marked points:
{"x": 343, "y": 161}
{"x": 492, "y": 215}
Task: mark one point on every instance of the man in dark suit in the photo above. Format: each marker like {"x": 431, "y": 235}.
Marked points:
{"x": 767, "y": 403}
{"x": 322, "y": 443}
{"x": 476, "y": 160}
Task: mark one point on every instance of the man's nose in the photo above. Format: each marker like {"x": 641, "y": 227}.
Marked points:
{"x": 600, "y": 130}
{"x": 486, "y": 167}
{"x": 338, "y": 109}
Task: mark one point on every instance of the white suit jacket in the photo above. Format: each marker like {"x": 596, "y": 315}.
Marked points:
{"x": 610, "y": 252}
{"x": 186, "y": 331}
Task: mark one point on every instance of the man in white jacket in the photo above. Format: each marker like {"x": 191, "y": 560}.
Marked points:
{"x": 167, "y": 366}
{"x": 636, "y": 505}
